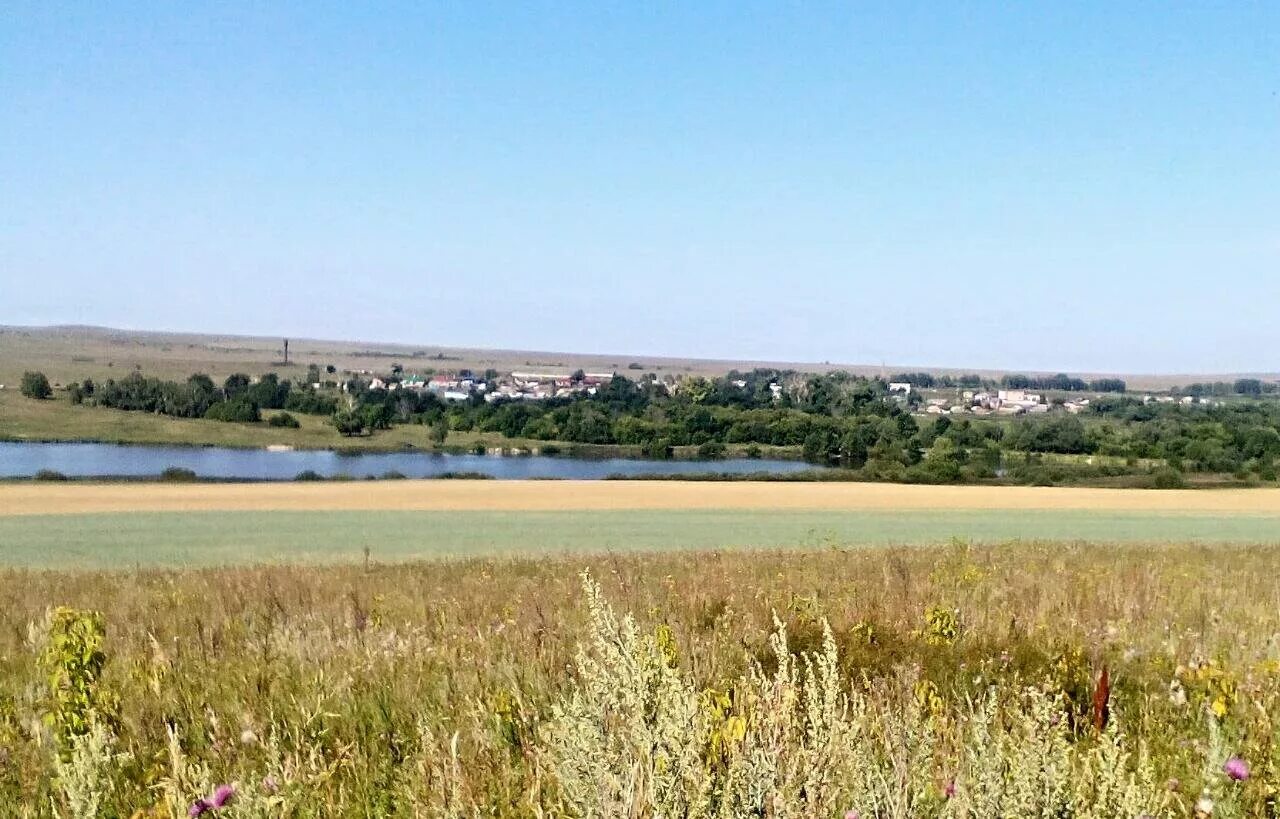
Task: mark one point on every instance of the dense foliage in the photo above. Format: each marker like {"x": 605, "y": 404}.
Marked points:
{"x": 239, "y": 398}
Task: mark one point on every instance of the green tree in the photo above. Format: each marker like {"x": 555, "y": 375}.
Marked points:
{"x": 235, "y": 384}
{"x": 35, "y": 385}
{"x": 348, "y": 423}
{"x": 440, "y": 430}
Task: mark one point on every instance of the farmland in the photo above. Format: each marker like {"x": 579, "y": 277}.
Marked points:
{"x": 122, "y": 525}
{"x": 72, "y": 353}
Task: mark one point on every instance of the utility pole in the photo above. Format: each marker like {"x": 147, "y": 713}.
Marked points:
{"x": 286, "y": 352}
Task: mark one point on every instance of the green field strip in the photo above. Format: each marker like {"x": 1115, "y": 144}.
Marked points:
{"x": 123, "y": 540}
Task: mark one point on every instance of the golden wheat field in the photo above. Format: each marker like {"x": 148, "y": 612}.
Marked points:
{"x": 28, "y": 499}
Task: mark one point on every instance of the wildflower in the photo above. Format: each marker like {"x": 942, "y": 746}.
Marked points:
{"x": 270, "y": 785}
{"x": 853, "y": 814}
{"x": 219, "y": 798}
{"x": 1173, "y": 785}
{"x": 1236, "y": 769}
{"x": 222, "y": 795}
{"x": 248, "y": 737}
{"x": 1177, "y": 694}
{"x": 1219, "y": 708}
{"x": 950, "y": 790}
{"x": 1204, "y": 808}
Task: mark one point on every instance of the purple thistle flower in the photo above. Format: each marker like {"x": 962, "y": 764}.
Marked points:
{"x": 1236, "y": 768}
{"x": 950, "y": 790}
{"x": 853, "y": 814}
{"x": 198, "y": 808}
{"x": 222, "y": 795}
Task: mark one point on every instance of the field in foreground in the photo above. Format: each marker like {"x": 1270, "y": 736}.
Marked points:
{"x": 956, "y": 681}
{"x": 126, "y": 525}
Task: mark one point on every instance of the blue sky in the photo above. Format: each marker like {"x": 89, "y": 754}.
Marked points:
{"x": 1085, "y": 187}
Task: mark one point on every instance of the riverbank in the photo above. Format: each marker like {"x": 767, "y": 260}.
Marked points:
{"x": 57, "y": 420}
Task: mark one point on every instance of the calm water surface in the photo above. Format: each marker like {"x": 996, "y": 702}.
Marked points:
{"x": 18, "y": 459}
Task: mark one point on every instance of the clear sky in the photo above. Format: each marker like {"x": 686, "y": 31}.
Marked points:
{"x": 1084, "y": 187}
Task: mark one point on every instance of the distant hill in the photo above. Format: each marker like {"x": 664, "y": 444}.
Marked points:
{"x": 69, "y": 352}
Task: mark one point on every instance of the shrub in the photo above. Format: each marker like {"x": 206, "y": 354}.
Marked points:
{"x": 657, "y": 448}
{"x": 284, "y": 419}
{"x": 35, "y": 385}
{"x": 1167, "y": 478}
{"x": 633, "y": 735}
{"x": 348, "y": 423}
{"x": 711, "y": 450}
{"x": 308, "y": 475}
{"x": 49, "y": 475}
{"x": 178, "y": 474}
{"x": 237, "y": 410}
{"x": 393, "y": 475}
{"x": 72, "y": 659}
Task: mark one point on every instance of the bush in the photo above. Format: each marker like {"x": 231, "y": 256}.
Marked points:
{"x": 284, "y": 419}
{"x": 308, "y": 475}
{"x": 237, "y": 410}
{"x": 178, "y": 474}
{"x": 49, "y": 475}
{"x": 657, "y": 448}
{"x": 754, "y": 452}
{"x": 1167, "y": 478}
{"x": 35, "y": 385}
{"x": 348, "y": 423}
{"x": 711, "y": 450}
{"x": 393, "y": 475}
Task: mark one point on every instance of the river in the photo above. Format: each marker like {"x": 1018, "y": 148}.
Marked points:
{"x": 84, "y": 460}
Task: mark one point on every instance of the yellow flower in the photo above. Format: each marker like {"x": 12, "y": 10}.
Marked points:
{"x": 1219, "y": 708}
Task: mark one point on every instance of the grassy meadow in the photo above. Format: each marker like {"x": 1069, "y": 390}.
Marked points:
{"x": 961, "y": 680}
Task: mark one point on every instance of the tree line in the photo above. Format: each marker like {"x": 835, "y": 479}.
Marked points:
{"x": 239, "y": 398}
{"x": 833, "y": 419}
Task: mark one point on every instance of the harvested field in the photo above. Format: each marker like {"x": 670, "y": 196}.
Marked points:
{"x": 46, "y": 499}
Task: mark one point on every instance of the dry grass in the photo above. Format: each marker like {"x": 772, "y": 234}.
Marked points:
{"x": 43, "y": 499}
{"x": 428, "y": 689}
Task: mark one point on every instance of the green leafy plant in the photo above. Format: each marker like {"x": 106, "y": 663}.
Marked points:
{"x": 72, "y": 660}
